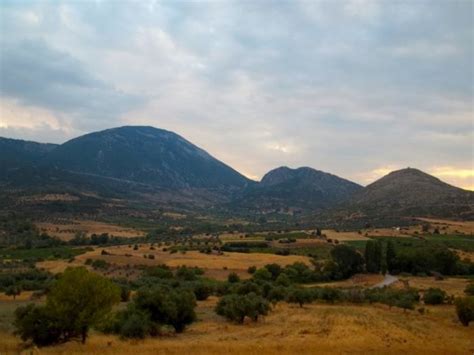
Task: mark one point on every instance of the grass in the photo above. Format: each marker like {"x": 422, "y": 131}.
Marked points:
{"x": 216, "y": 266}
{"x": 288, "y": 329}
{"x": 41, "y": 253}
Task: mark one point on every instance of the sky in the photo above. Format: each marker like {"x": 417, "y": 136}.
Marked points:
{"x": 355, "y": 88}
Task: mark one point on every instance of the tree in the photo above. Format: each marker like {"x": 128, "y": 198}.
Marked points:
{"x": 378, "y": 255}
{"x": 13, "y": 291}
{"x": 465, "y": 309}
{"x": 174, "y": 307}
{"x": 35, "y": 323}
{"x": 202, "y": 290}
{"x": 251, "y": 269}
{"x": 81, "y": 299}
{"x": 370, "y": 263}
{"x": 300, "y": 296}
{"x": 233, "y": 278}
{"x": 262, "y": 274}
{"x": 434, "y": 296}
{"x": 390, "y": 256}
{"x": 348, "y": 260}
{"x": 237, "y": 307}
{"x": 274, "y": 269}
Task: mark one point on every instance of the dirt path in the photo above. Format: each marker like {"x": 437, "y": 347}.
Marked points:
{"x": 387, "y": 281}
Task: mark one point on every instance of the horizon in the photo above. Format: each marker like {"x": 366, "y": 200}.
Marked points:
{"x": 261, "y": 177}
{"x": 355, "y": 88}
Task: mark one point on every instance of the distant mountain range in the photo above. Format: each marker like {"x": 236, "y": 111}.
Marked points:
{"x": 146, "y": 167}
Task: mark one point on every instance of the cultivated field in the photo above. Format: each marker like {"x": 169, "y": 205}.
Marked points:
{"x": 215, "y": 266}
{"x": 67, "y": 230}
{"x": 454, "y": 286}
{"x": 315, "y": 328}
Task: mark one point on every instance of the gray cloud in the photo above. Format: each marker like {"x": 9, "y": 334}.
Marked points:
{"x": 36, "y": 74}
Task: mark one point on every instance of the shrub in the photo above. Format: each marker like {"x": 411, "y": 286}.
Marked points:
{"x": 434, "y": 296}
{"x": 237, "y": 307}
{"x": 251, "y": 269}
{"x": 202, "y": 290}
{"x": 469, "y": 290}
{"x": 161, "y": 271}
{"x": 465, "y": 309}
{"x": 135, "y": 324}
{"x": 233, "y": 278}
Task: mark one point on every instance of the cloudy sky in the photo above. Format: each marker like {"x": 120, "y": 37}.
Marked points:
{"x": 356, "y": 88}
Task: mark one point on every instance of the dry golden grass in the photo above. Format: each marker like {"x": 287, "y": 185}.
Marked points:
{"x": 452, "y": 285}
{"x": 316, "y": 328}
{"x": 67, "y": 231}
{"x": 216, "y": 266}
{"x": 451, "y": 227}
{"x": 464, "y": 254}
{"x": 23, "y": 296}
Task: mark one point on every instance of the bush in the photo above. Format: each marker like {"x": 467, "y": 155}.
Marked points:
{"x": 237, "y": 307}
{"x": 469, "y": 290}
{"x": 161, "y": 272}
{"x": 202, "y": 290}
{"x": 134, "y": 324}
{"x": 434, "y": 296}
{"x": 465, "y": 309}
{"x": 233, "y": 278}
{"x": 251, "y": 269}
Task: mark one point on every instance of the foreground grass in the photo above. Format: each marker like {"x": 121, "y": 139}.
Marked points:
{"x": 316, "y": 328}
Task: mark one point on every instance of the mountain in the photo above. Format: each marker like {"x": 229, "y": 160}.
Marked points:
{"x": 302, "y": 189}
{"x": 16, "y": 152}
{"x": 409, "y": 193}
{"x": 146, "y": 155}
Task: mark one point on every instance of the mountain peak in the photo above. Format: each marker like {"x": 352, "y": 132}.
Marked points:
{"x": 145, "y": 154}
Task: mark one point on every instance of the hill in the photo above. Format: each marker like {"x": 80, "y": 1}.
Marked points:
{"x": 302, "y": 189}
{"x": 16, "y": 152}
{"x": 146, "y": 155}
{"x": 408, "y": 193}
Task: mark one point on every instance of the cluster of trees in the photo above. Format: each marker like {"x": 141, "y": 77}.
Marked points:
{"x": 381, "y": 256}
{"x": 153, "y": 308}
{"x": 17, "y": 230}
{"x": 29, "y": 280}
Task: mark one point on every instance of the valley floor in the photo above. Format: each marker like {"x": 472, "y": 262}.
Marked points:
{"x": 289, "y": 329}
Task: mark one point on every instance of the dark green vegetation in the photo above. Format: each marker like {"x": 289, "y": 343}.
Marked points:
{"x": 77, "y": 301}
{"x": 417, "y": 255}
{"x": 465, "y": 310}
{"x": 237, "y": 307}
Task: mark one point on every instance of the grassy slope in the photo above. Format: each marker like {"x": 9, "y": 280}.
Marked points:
{"x": 316, "y": 328}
